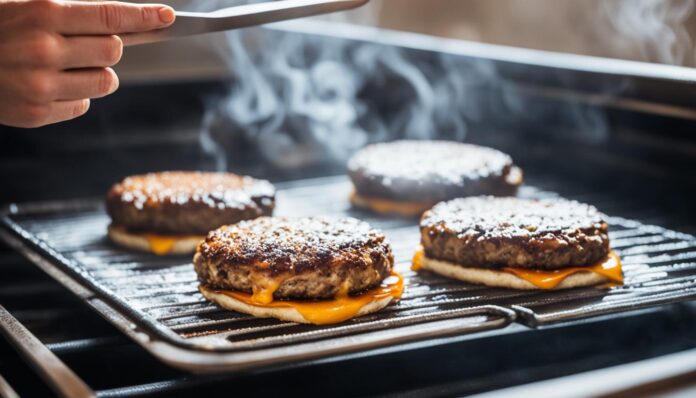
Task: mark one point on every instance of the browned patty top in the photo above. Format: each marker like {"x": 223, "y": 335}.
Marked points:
{"x": 430, "y": 170}
{"x": 296, "y": 245}
{"x": 488, "y": 231}
{"x": 184, "y": 202}
{"x": 179, "y": 188}
{"x": 489, "y": 217}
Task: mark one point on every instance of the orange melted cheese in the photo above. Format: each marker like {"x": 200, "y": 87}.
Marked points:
{"x": 385, "y": 206}
{"x": 326, "y": 312}
{"x": 610, "y": 267}
{"x": 163, "y": 244}
{"x": 264, "y": 294}
{"x": 417, "y": 262}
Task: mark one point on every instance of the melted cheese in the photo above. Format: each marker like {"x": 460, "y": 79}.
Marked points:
{"x": 385, "y": 206}
{"x": 326, "y": 312}
{"x": 417, "y": 262}
{"x": 160, "y": 245}
{"x": 263, "y": 294}
{"x": 610, "y": 267}
{"x": 163, "y": 244}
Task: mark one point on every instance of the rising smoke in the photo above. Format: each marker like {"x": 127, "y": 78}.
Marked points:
{"x": 657, "y": 28}
{"x": 307, "y": 100}
{"x": 297, "y": 100}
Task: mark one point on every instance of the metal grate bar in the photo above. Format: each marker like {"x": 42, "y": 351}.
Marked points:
{"x": 82, "y": 345}
{"x": 60, "y": 378}
{"x": 6, "y": 390}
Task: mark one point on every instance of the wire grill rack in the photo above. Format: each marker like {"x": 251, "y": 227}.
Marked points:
{"x": 155, "y": 300}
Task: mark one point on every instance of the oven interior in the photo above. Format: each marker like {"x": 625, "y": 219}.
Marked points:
{"x": 620, "y": 138}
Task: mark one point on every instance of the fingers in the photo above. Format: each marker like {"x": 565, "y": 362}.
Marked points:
{"x": 65, "y": 110}
{"x": 42, "y": 87}
{"x": 91, "y": 52}
{"x": 86, "y": 83}
{"x": 110, "y": 17}
{"x": 28, "y": 115}
{"x": 36, "y": 98}
{"x": 32, "y": 49}
{"x": 43, "y": 50}
{"x": 55, "y": 55}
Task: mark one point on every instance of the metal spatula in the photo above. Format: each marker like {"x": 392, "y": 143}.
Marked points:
{"x": 193, "y": 23}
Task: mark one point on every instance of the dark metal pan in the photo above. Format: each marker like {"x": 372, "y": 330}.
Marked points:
{"x": 154, "y": 300}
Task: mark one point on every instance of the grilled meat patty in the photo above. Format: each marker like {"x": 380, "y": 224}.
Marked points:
{"x": 307, "y": 258}
{"x": 496, "y": 232}
{"x": 432, "y": 171}
{"x": 187, "y": 202}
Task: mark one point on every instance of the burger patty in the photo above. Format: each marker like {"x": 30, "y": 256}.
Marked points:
{"x": 498, "y": 232}
{"x": 187, "y": 202}
{"x": 432, "y": 171}
{"x": 311, "y": 258}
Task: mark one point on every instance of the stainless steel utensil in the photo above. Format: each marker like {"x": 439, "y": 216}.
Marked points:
{"x": 194, "y": 23}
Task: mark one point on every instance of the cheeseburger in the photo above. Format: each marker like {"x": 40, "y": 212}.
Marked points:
{"x": 171, "y": 212}
{"x": 517, "y": 243}
{"x": 305, "y": 270}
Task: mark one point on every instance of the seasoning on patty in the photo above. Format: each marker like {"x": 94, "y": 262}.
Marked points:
{"x": 305, "y": 270}
{"x": 409, "y": 177}
{"x": 171, "y": 212}
{"x": 517, "y": 243}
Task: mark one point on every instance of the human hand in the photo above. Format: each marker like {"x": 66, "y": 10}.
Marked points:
{"x": 56, "y": 55}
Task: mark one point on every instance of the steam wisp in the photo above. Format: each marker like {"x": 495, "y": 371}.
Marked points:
{"x": 300, "y": 100}
{"x": 656, "y": 27}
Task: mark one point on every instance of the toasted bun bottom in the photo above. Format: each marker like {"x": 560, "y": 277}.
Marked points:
{"x": 283, "y": 313}
{"x": 387, "y": 206}
{"x": 174, "y": 245}
{"x": 494, "y": 278}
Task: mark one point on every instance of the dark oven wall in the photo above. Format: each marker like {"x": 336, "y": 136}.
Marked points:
{"x": 138, "y": 129}
{"x": 608, "y": 126}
